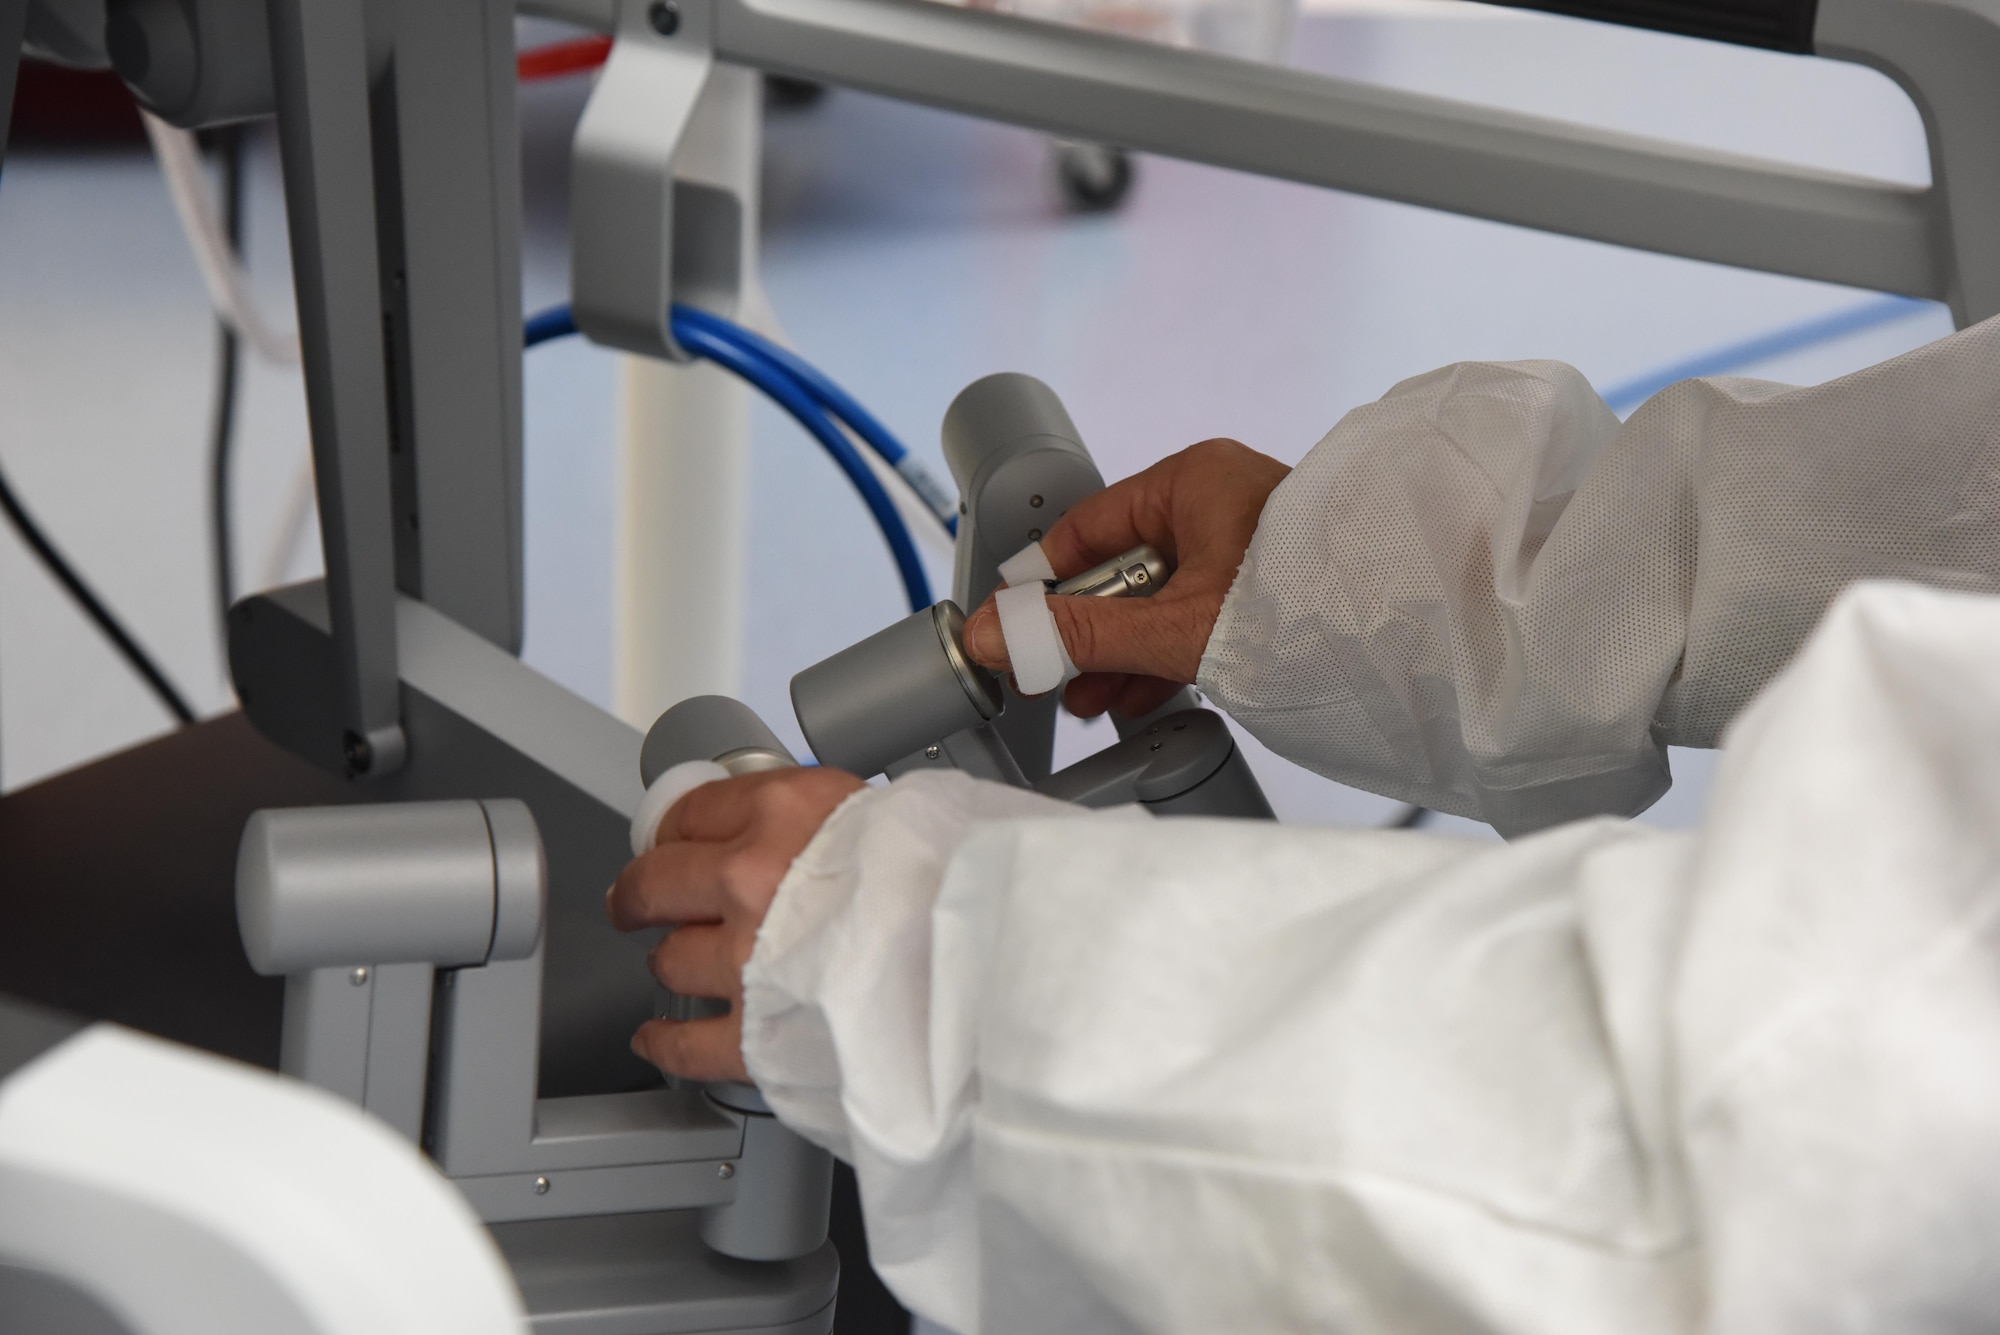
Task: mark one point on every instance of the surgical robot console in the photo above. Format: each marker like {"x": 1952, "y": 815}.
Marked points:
{"x": 448, "y": 964}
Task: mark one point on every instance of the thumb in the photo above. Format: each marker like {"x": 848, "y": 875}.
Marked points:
{"x": 1152, "y": 637}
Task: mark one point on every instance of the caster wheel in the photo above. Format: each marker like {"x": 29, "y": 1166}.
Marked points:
{"x": 1095, "y": 178}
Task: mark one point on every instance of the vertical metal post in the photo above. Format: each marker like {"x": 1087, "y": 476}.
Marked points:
{"x": 319, "y": 65}
{"x": 448, "y": 194}
{"x": 684, "y": 434}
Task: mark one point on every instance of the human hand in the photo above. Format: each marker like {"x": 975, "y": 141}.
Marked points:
{"x": 721, "y": 852}
{"x": 1200, "y": 509}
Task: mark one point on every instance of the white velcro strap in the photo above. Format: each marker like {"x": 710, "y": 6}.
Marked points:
{"x": 1034, "y": 645}
{"x": 1030, "y": 565}
{"x": 666, "y": 790}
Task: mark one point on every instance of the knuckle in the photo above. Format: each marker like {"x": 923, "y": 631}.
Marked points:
{"x": 1079, "y": 634}
{"x": 749, "y": 879}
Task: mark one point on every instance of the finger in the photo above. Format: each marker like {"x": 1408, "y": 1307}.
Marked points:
{"x": 698, "y": 960}
{"x": 1119, "y": 693}
{"x": 719, "y": 811}
{"x": 709, "y": 1049}
{"x": 1140, "y": 696}
{"x": 982, "y": 638}
{"x": 1162, "y": 636}
{"x": 675, "y": 883}
{"x": 1113, "y": 521}
{"x": 1153, "y": 637}
{"x": 1092, "y": 693}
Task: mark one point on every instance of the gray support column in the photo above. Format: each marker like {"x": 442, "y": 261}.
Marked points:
{"x": 1944, "y": 54}
{"x": 319, "y": 65}
{"x": 449, "y": 195}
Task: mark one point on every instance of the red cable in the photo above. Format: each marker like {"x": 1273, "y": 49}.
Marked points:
{"x": 553, "y": 62}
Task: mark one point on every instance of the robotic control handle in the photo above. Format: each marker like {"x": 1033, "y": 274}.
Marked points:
{"x": 784, "y": 1184}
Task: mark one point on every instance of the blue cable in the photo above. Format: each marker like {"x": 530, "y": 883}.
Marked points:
{"x": 838, "y": 402}
{"x": 702, "y": 338}
{"x": 556, "y": 322}
{"x": 793, "y": 400}
{"x": 1735, "y": 356}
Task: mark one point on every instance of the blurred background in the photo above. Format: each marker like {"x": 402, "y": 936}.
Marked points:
{"x": 907, "y": 252}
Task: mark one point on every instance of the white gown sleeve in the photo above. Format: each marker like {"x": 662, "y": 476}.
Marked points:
{"x": 1103, "y": 1074}
{"x": 1486, "y": 595}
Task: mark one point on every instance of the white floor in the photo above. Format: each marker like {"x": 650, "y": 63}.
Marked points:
{"x": 908, "y": 252}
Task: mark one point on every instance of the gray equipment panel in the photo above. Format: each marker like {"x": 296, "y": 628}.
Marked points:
{"x": 448, "y": 174}
{"x": 649, "y": 1274}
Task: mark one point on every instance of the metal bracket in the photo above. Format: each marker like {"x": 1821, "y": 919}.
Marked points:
{"x": 319, "y": 65}
{"x": 635, "y": 234}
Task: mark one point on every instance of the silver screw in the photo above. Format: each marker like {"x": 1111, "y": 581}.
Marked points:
{"x": 725, "y": 1171}
{"x": 541, "y": 1186}
{"x": 359, "y": 978}
{"x": 1034, "y": 502}
{"x": 1034, "y": 535}
{"x": 1157, "y": 745}
{"x": 931, "y": 753}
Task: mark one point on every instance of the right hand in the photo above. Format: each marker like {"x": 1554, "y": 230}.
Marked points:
{"x": 1200, "y": 508}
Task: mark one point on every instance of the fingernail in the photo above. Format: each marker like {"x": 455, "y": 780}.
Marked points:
{"x": 983, "y": 639}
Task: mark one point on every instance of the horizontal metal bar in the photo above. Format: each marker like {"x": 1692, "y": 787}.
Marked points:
{"x": 594, "y": 1191}
{"x": 1409, "y": 147}
{"x": 643, "y": 1127}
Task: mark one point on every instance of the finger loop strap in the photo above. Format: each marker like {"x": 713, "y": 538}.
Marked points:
{"x": 1030, "y": 565}
{"x": 1034, "y": 645}
{"x": 666, "y": 790}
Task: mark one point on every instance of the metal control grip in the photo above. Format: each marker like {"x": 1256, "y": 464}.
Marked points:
{"x": 1139, "y": 573}
{"x": 784, "y": 1184}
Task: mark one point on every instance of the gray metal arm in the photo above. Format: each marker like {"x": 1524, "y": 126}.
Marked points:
{"x": 1353, "y": 136}
{"x": 319, "y": 61}
{"x": 1418, "y": 149}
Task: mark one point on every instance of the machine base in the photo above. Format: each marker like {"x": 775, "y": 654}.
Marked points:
{"x": 650, "y": 1274}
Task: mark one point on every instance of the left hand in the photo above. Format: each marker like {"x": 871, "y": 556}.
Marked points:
{"x": 711, "y": 877}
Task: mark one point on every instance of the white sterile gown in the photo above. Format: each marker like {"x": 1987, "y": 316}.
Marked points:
{"x": 1105, "y": 1073}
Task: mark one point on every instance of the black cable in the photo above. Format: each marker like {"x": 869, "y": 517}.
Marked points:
{"x": 1409, "y": 819}
{"x": 222, "y": 430}
{"x": 142, "y": 663}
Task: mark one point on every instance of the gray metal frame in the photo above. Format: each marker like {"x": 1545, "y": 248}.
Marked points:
{"x": 1432, "y": 151}
{"x": 319, "y": 57}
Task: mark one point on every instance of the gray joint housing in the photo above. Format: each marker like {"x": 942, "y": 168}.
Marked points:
{"x": 894, "y": 693}
{"x": 443, "y": 883}
{"x": 1020, "y": 462}
{"x": 711, "y": 727}
{"x": 193, "y": 63}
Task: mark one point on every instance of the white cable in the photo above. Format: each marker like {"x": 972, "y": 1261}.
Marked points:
{"x": 918, "y": 516}
{"x": 756, "y": 314}
{"x": 221, "y": 270}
